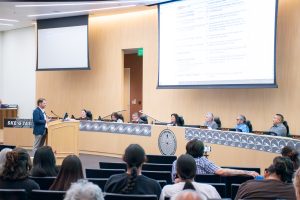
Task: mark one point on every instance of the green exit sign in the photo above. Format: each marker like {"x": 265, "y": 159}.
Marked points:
{"x": 140, "y": 52}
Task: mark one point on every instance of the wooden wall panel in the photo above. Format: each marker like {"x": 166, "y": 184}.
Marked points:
{"x": 101, "y": 89}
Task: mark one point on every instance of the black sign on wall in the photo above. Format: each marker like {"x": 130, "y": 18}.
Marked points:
{"x": 18, "y": 123}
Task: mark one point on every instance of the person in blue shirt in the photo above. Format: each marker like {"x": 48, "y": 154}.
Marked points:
{"x": 241, "y": 124}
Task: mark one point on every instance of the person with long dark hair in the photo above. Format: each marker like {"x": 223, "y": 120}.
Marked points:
{"x": 293, "y": 154}
{"x": 276, "y": 185}
{"x": 186, "y": 171}
{"x": 16, "y": 171}
{"x": 70, "y": 172}
{"x": 44, "y": 163}
{"x": 176, "y": 120}
{"x": 133, "y": 182}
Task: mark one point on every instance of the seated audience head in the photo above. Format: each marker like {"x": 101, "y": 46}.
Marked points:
{"x": 84, "y": 190}
{"x": 135, "y": 117}
{"x": 188, "y": 195}
{"x": 241, "y": 119}
{"x": 195, "y": 148}
{"x": 3, "y": 153}
{"x": 44, "y": 163}
{"x": 42, "y": 103}
{"x": 134, "y": 157}
{"x": 70, "y": 172}
{"x": 291, "y": 153}
{"x": 281, "y": 169}
{"x": 278, "y": 119}
{"x": 209, "y": 117}
{"x": 186, "y": 170}
{"x": 17, "y": 165}
{"x": 297, "y": 183}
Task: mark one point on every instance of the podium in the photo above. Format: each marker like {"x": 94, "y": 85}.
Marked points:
{"x": 7, "y": 113}
{"x": 63, "y": 138}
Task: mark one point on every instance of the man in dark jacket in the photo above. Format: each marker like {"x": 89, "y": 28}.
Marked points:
{"x": 40, "y": 121}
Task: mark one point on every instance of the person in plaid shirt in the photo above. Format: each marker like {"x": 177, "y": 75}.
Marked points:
{"x": 195, "y": 148}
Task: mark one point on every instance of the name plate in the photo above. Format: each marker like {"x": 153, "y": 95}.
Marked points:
{"x": 18, "y": 123}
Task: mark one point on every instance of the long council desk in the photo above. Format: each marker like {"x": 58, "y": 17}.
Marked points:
{"x": 228, "y": 148}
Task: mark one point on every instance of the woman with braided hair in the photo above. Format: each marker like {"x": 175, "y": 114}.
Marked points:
{"x": 133, "y": 182}
{"x": 186, "y": 171}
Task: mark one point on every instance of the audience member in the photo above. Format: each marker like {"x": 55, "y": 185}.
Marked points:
{"x": 278, "y": 127}
{"x": 176, "y": 120}
{"x": 241, "y": 124}
{"x": 116, "y": 117}
{"x": 297, "y": 184}
{"x": 44, "y": 163}
{"x": 195, "y": 148}
{"x": 70, "y": 172}
{"x": 16, "y": 171}
{"x": 186, "y": 171}
{"x": 276, "y": 185}
{"x": 133, "y": 182}
{"x": 3, "y": 153}
{"x": 210, "y": 122}
{"x": 84, "y": 190}
{"x": 291, "y": 153}
{"x": 188, "y": 195}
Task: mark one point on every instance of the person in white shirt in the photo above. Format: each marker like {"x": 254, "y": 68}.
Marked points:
{"x": 186, "y": 171}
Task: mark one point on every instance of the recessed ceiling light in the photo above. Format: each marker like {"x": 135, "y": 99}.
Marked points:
{"x": 9, "y": 20}
{"x": 78, "y": 11}
{"x": 77, "y": 4}
{"x": 3, "y": 24}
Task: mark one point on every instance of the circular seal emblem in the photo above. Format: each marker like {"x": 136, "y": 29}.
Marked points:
{"x": 167, "y": 142}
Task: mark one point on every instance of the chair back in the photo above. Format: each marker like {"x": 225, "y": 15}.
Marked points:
{"x": 157, "y": 167}
{"x": 221, "y": 188}
{"x": 234, "y": 190}
{"x": 163, "y": 175}
{"x": 161, "y": 159}
{"x": 13, "y": 194}
{"x": 47, "y": 195}
{"x": 109, "y": 165}
{"x": 44, "y": 182}
{"x": 98, "y": 181}
{"x": 2, "y": 146}
{"x": 208, "y": 178}
{"x": 102, "y": 173}
{"x": 248, "y": 123}
{"x": 111, "y": 196}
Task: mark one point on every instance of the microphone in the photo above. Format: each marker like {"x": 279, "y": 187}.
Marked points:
{"x": 55, "y": 114}
{"x": 112, "y": 112}
{"x": 155, "y": 120}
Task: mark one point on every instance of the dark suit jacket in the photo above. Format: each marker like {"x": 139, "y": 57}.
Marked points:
{"x": 38, "y": 122}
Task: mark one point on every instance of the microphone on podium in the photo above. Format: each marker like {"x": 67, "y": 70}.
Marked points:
{"x": 110, "y": 114}
{"x": 154, "y": 119}
{"x": 55, "y": 114}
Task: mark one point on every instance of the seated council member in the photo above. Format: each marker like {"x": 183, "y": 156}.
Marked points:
{"x": 210, "y": 122}
{"x": 278, "y": 126}
{"x": 276, "y": 185}
{"x": 241, "y": 124}
{"x": 116, "y": 117}
{"x": 195, "y": 148}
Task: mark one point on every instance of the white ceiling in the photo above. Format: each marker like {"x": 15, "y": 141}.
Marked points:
{"x": 24, "y": 12}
